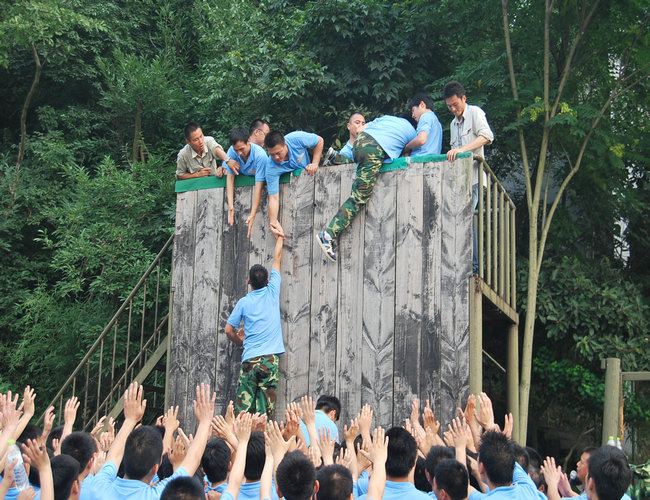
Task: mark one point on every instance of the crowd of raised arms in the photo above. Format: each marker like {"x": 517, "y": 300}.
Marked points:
{"x": 301, "y": 456}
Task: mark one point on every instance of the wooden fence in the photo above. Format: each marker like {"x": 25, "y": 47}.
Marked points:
{"x": 388, "y": 322}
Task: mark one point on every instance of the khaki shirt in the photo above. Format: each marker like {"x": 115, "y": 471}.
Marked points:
{"x": 188, "y": 161}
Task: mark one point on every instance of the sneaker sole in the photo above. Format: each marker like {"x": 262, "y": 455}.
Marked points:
{"x": 322, "y": 247}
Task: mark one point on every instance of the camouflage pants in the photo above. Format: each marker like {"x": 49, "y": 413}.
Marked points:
{"x": 369, "y": 157}
{"x": 258, "y": 383}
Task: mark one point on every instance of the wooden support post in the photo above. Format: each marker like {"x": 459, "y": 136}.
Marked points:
{"x": 513, "y": 377}
{"x": 476, "y": 337}
{"x": 612, "y": 396}
{"x": 169, "y": 343}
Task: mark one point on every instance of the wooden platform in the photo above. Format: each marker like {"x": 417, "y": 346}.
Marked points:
{"x": 388, "y": 322}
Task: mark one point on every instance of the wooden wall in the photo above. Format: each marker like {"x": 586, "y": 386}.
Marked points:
{"x": 388, "y": 322}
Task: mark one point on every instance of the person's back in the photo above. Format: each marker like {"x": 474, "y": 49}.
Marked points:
{"x": 400, "y": 466}
{"x": 392, "y": 133}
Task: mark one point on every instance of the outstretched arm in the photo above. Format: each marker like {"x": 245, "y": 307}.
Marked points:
{"x": 134, "y": 407}
{"x": 274, "y": 207}
{"x": 230, "y": 194}
{"x": 278, "y": 232}
{"x": 417, "y": 141}
{"x": 257, "y": 197}
{"x": 315, "y": 161}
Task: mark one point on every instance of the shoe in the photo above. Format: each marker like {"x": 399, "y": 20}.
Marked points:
{"x": 329, "y": 157}
{"x": 326, "y": 246}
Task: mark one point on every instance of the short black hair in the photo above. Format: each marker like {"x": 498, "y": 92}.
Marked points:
{"x": 239, "y": 134}
{"x": 55, "y": 433}
{"x": 259, "y": 276}
{"x": 143, "y": 450}
{"x": 355, "y": 113}
{"x": 190, "y": 128}
{"x": 257, "y": 124}
{"x": 296, "y": 476}
{"x": 610, "y": 472}
{"x": 166, "y": 468}
{"x": 65, "y": 471}
{"x": 534, "y": 458}
{"x": 452, "y": 477}
{"x": 420, "y": 478}
{"x": 255, "y": 456}
{"x": 436, "y": 455}
{"x": 273, "y": 138}
{"x": 183, "y": 488}
{"x": 408, "y": 116}
{"x": 421, "y": 97}
{"x": 326, "y": 404}
{"x": 215, "y": 460}
{"x": 81, "y": 446}
{"x": 453, "y": 88}
{"x": 402, "y": 452}
{"x": 521, "y": 456}
{"x": 334, "y": 483}
{"x": 497, "y": 455}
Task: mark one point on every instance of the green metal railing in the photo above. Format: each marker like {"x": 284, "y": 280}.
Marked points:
{"x": 132, "y": 339}
{"x": 495, "y": 228}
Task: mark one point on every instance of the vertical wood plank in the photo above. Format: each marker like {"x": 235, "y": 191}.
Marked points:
{"x": 378, "y": 299}
{"x": 297, "y": 219}
{"x": 408, "y": 290}
{"x": 234, "y": 285}
{"x": 262, "y": 241}
{"x": 432, "y": 263}
{"x": 183, "y": 283}
{"x": 324, "y": 289}
{"x": 350, "y": 305}
{"x": 454, "y": 300}
{"x": 207, "y": 246}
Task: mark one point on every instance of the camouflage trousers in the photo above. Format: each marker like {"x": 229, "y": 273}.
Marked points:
{"x": 258, "y": 384}
{"x": 369, "y": 157}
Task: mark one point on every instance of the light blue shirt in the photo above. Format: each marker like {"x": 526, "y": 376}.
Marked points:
{"x": 297, "y": 143}
{"x": 401, "y": 491}
{"x": 251, "y": 491}
{"x": 260, "y": 310}
{"x": 392, "y": 134}
{"x": 522, "y": 488}
{"x": 347, "y": 151}
{"x": 108, "y": 486}
{"x": 87, "y": 485}
{"x": 254, "y": 166}
{"x": 322, "y": 422}
{"x": 430, "y": 124}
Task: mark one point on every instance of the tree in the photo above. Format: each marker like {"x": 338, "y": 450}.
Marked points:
{"x": 564, "y": 131}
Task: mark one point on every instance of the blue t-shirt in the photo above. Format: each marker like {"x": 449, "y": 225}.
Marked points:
{"x": 107, "y": 485}
{"x": 347, "y": 151}
{"x": 251, "y": 491}
{"x": 392, "y": 134}
{"x": 255, "y": 165}
{"x": 400, "y": 491}
{"x": 522, "y": 488}
{"x": 430, "y": 124}
{"x": 322, "y": 422}
{"x": 87, "y": 488}
{"x": 298, "y": 143}
{"x": 260, "y": 310}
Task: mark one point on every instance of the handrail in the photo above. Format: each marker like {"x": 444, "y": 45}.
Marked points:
{"x": 149, "y": 316}
{"x": 495, "y": 227}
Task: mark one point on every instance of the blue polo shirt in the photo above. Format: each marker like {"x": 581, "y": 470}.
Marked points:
{"x": 322, "y": 422}
{"x": 522, "y": 488}
{"x": 298, "y": 143}
{"x": 430, "y": 124}
{"x": 254, "y": 166}
{"x": 392, "y": 134}
{"x": 107, "y": 485}
{"x": 260, "y": 310}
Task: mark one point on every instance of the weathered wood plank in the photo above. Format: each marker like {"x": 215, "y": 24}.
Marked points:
{"x": 350, "y": 305}
{"x": 431, "y": 257}
{"x": 234, "y": 278}
{"x": 297, "y": 218}
{"x": 454, "y": 301}
{"x": 408, "y": 291}
{"x": 183, "y": 283}
{"x": 378, "y": 299}
{"x": 262, "y": 241}
{"x": 324, "y": 290}
{"x": 207, "y": 246}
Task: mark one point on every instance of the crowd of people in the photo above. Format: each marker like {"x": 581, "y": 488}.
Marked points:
{"x": 304, "y": 456}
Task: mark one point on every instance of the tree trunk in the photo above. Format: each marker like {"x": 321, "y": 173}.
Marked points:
{"x": 137, "y": 135}
{"x": 23, "y": 114}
